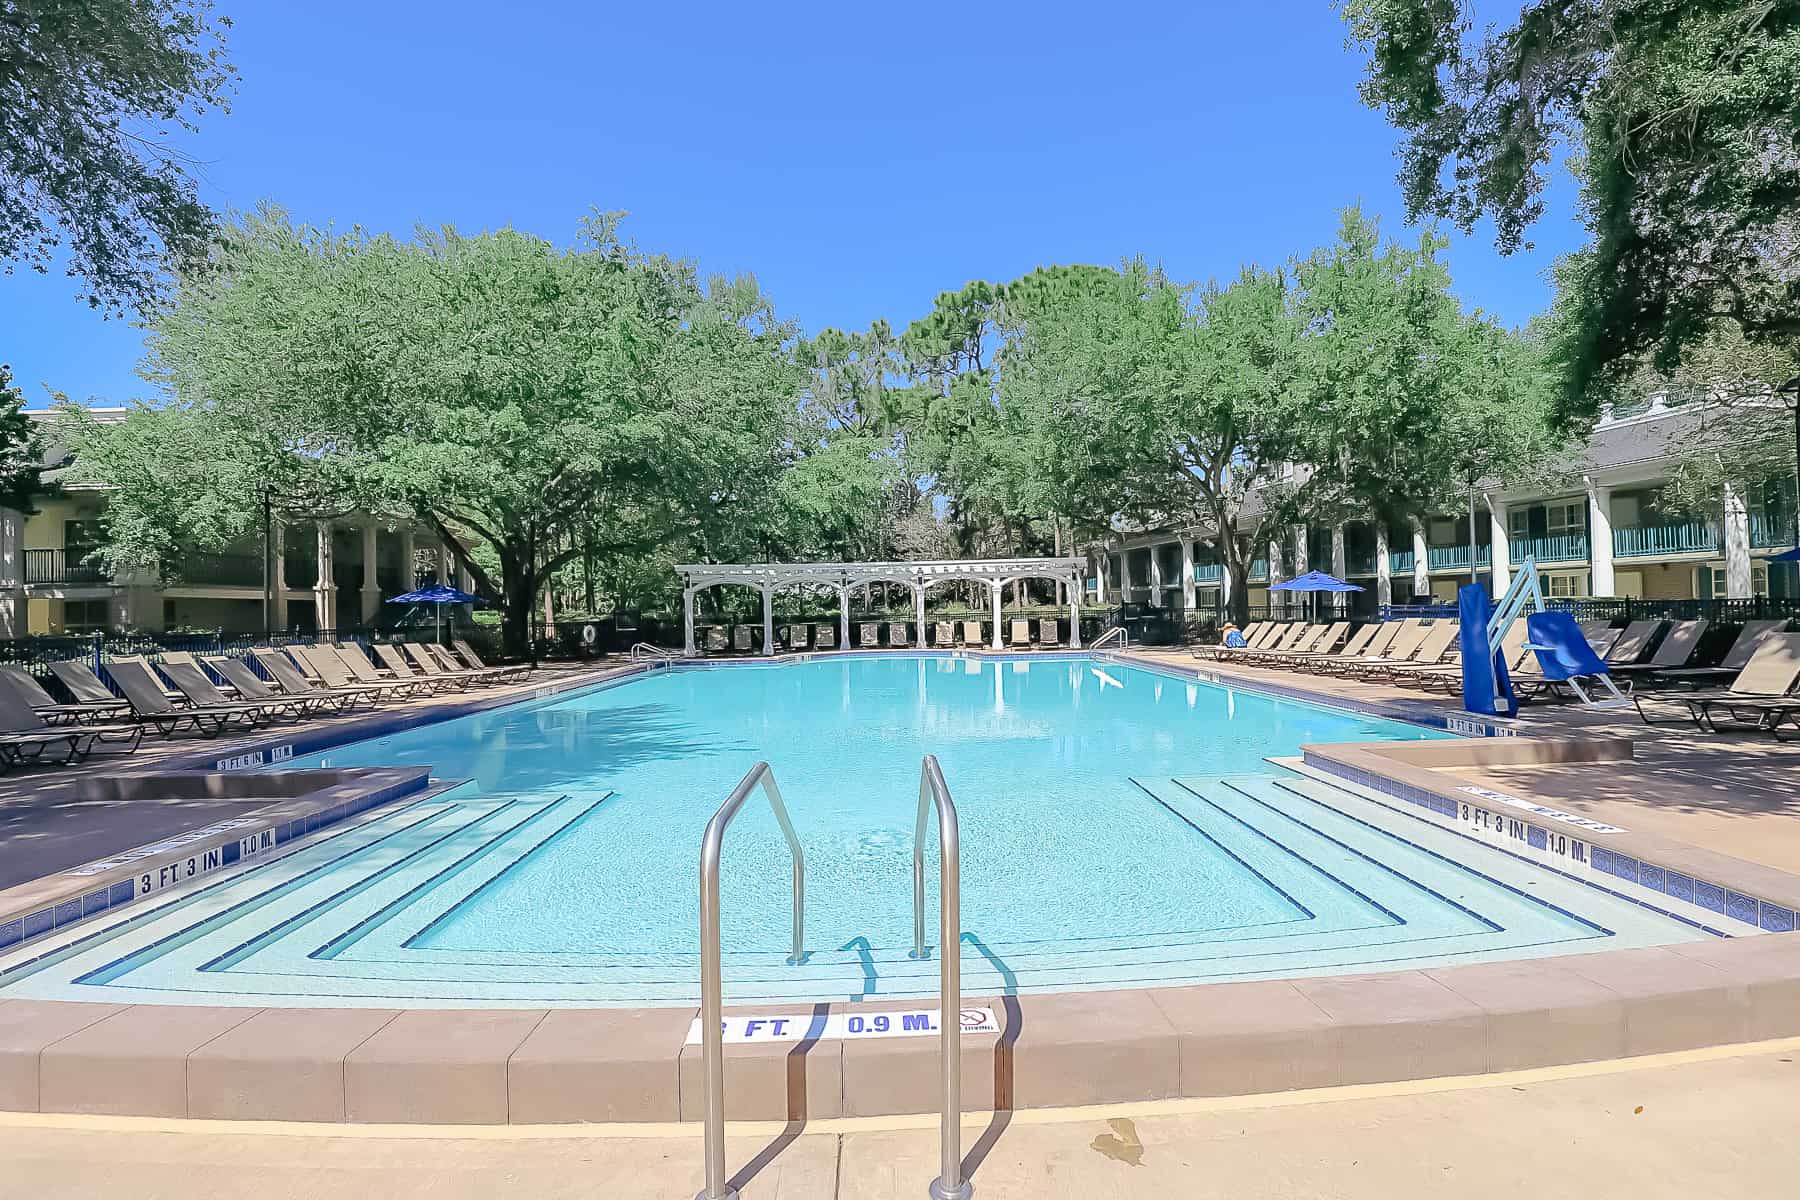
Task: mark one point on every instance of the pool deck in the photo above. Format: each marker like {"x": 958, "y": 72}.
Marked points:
{"x": 548, "y": 1066}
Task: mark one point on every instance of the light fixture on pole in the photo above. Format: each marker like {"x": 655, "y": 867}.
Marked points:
{"x": 1790, "y": 395}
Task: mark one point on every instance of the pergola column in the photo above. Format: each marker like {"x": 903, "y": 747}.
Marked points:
{"x": 1384, "y": 566}
{"x": 1075, "y": 613}
{"x": 442, "y": 567}
{"x": 919, "y": 608}
{"x": 1421, "y": 580}
{"x": 994, "y": 595}
{"x": 1187, "y": 573}
{"x": 768, "y": 595}
{"x": 324, "y": 590}
{"x": 687, "y": 622}
{"x": 278, "y": 573}
{"x": 843, "y": 616}
{"x": 371, "y": 584}
{"x": 1100, "y": 577}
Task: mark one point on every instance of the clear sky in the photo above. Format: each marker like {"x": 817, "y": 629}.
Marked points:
{"x": 857, "y": 159}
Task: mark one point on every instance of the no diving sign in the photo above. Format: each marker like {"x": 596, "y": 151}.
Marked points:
{"x": 793, "y": 1027}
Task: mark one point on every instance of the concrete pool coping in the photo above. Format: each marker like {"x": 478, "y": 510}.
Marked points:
{"x": 568, "y": 1065}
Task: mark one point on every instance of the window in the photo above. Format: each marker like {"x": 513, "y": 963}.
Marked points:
{"x": 85, "y": 616}
{"x": 1564, "y": 585}
{"x": 1565, "y": 518}
{"x": 1443, "y": 532}
{"x": 1518, "y": 524}
{"x": 1715, "y": 586}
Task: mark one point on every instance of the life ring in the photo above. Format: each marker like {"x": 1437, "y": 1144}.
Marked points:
{"x": 589, "y": 635}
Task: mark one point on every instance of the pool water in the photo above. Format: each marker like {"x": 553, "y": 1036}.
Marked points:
{"x": 1120, "y": 827}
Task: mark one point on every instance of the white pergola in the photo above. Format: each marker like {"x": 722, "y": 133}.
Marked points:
{"x": 770, "y": 578}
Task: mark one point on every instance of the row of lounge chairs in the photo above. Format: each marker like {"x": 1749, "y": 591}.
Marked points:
{"x": 1751, "y": 686}
{"x": 899, "y": 634}
{"x": 177, "y": 693}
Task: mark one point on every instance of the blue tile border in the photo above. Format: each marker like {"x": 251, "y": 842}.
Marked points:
{"x": 1743, "y": 909}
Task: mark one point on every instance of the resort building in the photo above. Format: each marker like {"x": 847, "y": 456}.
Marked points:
{"x": 1599, "y": 528}
{"x": 327, "y": 574}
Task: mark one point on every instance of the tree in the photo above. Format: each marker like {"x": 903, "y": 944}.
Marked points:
{"x": 1683, "y": 113}
{"x": 531, "y": 404}
{"x": 21, "y": 455}
{"x": 88, "y": 91}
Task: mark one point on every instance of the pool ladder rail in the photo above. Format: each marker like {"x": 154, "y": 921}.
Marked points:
{"x": 1117, "y": 634}
{"x": 933, "y": 793}
{"x": 648, "y": 652}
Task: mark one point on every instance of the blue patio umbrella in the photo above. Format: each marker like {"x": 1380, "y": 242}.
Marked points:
{"x": 438, "y": 594}
{"x": 1315, "y": 581}
{"x": 1792, "y": 556}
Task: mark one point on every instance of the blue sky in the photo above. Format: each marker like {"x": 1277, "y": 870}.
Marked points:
{"x": 857, "y": 159}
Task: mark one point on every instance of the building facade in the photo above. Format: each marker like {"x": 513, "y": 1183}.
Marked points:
{"x": 1599, "y": 528}
{"x": 327, "y": 574}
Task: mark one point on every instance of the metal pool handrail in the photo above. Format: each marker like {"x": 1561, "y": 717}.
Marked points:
{"x": 1116, "y": 632}
{"x": 643, "y": 650}
{"x": 711, "y": 985}
{"x": 934, "y": 792}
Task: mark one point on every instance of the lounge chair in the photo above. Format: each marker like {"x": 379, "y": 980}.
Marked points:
{"x": 55, "y": 712}
{"x": 741, "y": 638}
{"x": 1251, "y": 633}
{"x": 251, "y": 686}
{"x": 798, "y": 637}
{"x": 421, "y": 657}
{"x": 201, "y": 692}
{"x": 1049, "y": 633}
{"x": 451, "y": 665}
{"x": 338, "y": 683}
{"x": 1449, "y": 678}
{"x": 971, "y": 634}
{"x": 1749, "y": 639}
{"x": 1353, "y": 646}
{"x": 1318, "y": 640}
{"x": 290, "y": 674}
{"x": 1566, "y": 663}
{"x": 825, "y": 637}
{"x": 515, "y": 671}
{"x": 25, "y": 737}
{"x": 1400, "y": 646}
{"x": 1020, "y": 634}
{"x": 1758, "y": 698}
{"x": 944, "y": 633}
{"x": 868, "y": 635}
{"x": 1436, "y": 644}
{"x": 82, "y": 683}
{"x": 1674, "y": 651}
{"x": 898, "y": 634}
{"x": 1632, "y": 643}
{"x": 716, "y": 640}
{"x": 393, "y": 660}
{"x": 364, "y": 673}
{"x": 150, "y": 706}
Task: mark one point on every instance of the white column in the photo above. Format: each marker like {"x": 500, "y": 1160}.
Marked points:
{"x": 1421, "y": 580}
{"x": 371, "y": 583}
{"x": 278, "y": 581}
{"x": 919, "y": 610}
{"x": 1600, "y": 547}
{"x": 1100, "y": 577}
{"x": 1502, "y": 577}
{"x": 1340, "y": 562}
{"x": 1276, "y": 575}
{"x": 1156, "y": 579}
{"x": 1737, "y": 547}
{"x": 687, "y": 622}
{"x": 768, "y": 594}
{"x": 443, "y": 564}
{"x": 1225, "y": 582}
{"x": 324, "y": 591}
{"x": 1075, "y": 614}
{"x": 1301, "y": 563}
{"x": 1187, "y": 573}
{"x": 1384, "y": 566}
{"x": 1124, "y": 575}
{"x": 843, "y": 616}
{"x": 409, "y": 552}
{"x": 994, "y": 595}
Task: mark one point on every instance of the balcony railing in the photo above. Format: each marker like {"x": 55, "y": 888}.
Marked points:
{"x": 1400, "y": 562}
{"x": 1647, "y": 541}
{"x": 1208, "y": 573}
{"x": 1360, "y": 564}
{"x": 1259, "y": 570}
{"x": 1446, "y": 558}
{"x": 219, "y": 570}
{"x": 1552, "y": 547}
{"x": 1769, "y": 530}
{"x": 64, "y": 566}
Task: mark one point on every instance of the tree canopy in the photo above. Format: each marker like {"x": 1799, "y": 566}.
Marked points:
{"x": 1681, "y": 117}
{"x": 90, "y": 93}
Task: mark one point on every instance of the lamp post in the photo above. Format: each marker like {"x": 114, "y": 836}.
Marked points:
{"x": 1790, "y": 396}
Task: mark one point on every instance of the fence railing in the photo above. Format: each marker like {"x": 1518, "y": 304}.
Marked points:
{"x": 1717, "y": 611}
{"x": 1551, "y": 547}
{"x": 1645, "y": 541}
{"x": 1401, "y": 562}
{"x": 64, "y": 566}
{"x": 225, "y": 570}
{"x": 1443, "y": 558}
{"x": 1768, "y": 530}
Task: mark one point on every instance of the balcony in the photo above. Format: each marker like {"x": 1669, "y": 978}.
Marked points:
{"x": 216, "y": 570}
{"x": 1208, "y": 573}
{"x": 1259, "y": 570}
{"x": 1770, "y": 530}
{"x": 1651, "y": 541}
{"x": 1400, "y": 562}
{"x": 1360, "y": 562}
{"x": 64, "y": 566}
{"x": 1451, "y": 558}
{"x": 1553, "y": 547}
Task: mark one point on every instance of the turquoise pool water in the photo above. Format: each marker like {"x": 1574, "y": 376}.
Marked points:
{"x": 1120, "y": 827}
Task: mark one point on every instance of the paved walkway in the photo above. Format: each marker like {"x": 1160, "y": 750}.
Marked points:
{"x": 1703, "y": 1124}
{"x": 1733, "y": 793}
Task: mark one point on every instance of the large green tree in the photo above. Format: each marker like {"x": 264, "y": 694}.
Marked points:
{"x": 530, "y": 403}
{"x": 21, "y": 456}
{"x": 1682, "y": 118}
{"x": 90, "y": 93}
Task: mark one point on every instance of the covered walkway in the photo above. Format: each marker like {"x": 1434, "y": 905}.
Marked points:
{"x": 770, "y": 578}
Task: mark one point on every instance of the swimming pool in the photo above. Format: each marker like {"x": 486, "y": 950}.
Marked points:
{"x": 1120, "y": 828}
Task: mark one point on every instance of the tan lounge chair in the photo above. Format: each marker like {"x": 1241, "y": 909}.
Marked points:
{"x": 825, "y": 637}
{"x": 899, "y": 634}
{"x": 799, "y": 637}
{"x": 25, "y": 737}
{"x": 53, "y": 711}
{"x": 151, "y": 706}
{"x": 1020, "y": 634}
{"x": 868, "y": 635}
{"x": 1759, "y": 698}
{"x": 1397, "y": 642}
{"x": 1438, "y": 640}
{"x": 971, "y": 633}
{"x": 717, "y": 641}
{"x": 1049, "y": 633}
{"x": 1673, "y": 652}
{"x": 943, "y": 634}
{"x": 1749, "y": 639}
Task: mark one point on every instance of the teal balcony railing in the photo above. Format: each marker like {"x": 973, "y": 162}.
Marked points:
{"x": 1553, "y": 547}
{"x": 1360, "y": 563}
{"x": 1208, "y": 572}
{"x": 1400, "y": 562}
{"x": 1649, "y": 541}
{"x": 1449, "y": 558}
{"x": 1769, "y": 530}
{"x": 1259, "y": 570}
